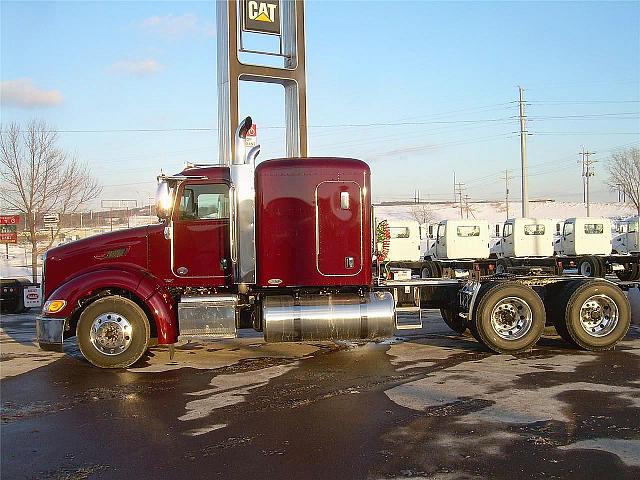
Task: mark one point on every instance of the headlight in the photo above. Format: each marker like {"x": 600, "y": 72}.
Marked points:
{"x": 53, "y": 306}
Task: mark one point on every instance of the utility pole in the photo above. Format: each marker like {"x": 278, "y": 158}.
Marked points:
{"x": 455, "y": 195}
{"x": 460, "y": 189}
{"x": 587, "y": 172}
{"x": 523, "y": 156}
{"x": 507, "y": 177}
{"x": 466, "y": 204}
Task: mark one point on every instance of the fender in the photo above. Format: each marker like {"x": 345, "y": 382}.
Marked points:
{"x": 141, "y": 284}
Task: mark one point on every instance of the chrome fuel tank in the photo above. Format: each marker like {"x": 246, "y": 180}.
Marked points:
{"x": 328, "y": 317}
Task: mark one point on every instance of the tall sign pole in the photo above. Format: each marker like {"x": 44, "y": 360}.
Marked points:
{"x": 523, "y": 156}
{"x": 284, "y": 19}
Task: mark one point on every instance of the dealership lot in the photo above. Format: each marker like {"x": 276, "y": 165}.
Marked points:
{"x": 427, "y": 405}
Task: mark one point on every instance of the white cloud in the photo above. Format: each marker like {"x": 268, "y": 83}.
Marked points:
{"x": 148, "y": 66}
{"x": 23, "y": 93}
{"x": 176, "y": 26}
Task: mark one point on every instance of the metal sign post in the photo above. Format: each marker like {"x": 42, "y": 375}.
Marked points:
{"x": 284, "y": 18}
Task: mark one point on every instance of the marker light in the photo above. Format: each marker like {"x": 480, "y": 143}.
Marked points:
{"x": 53, "y": 306}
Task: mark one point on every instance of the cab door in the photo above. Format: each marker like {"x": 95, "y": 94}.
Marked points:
{"x": 568, "y": 240}
{"x": 508, "y": 247}
{"x": 200, "y": 247}
{"x": 339, "y": 228}
{"x": 441, "y": 241}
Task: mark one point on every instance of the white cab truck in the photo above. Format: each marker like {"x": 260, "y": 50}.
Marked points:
{"x": 584, "y": 236}
{"x": 628, "y": 238}
{"x": 585, "y": 244}
{"x": 454, "y": 245}
{"x": 525, "y": 243}
{"x": 525, "y": 237}
{"x": 404, "y": 240}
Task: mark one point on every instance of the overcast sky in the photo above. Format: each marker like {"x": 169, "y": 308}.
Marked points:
{"x": 437, "y": 80}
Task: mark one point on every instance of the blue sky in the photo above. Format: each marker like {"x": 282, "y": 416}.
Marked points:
{"x": 445, "y": 74}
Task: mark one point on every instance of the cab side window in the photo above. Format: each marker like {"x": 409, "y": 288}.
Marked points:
{"x": 204, "y": 202}
{"x": 568, "y": 229}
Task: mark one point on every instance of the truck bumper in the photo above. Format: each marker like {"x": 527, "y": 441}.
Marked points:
{"x": 49, "y": 333}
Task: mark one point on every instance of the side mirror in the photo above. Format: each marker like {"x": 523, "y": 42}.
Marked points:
{"x": 164, "y": 200}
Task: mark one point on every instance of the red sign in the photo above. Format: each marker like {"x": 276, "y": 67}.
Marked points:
{"x": 9, "y": 219}
{"x": 9, "y": 228}
{"x": 250, "y": 139}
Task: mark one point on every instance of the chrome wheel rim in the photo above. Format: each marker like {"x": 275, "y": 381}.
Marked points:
{"x": 111, "y": 333}
{"x": 511, "y": 318}
{"x": 599, "y": 315}
{"x": 585, "y": 269}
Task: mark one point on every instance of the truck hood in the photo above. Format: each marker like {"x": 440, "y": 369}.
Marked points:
{"x": 124, "y": 249}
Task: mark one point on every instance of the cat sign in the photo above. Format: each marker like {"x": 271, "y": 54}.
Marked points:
{"x": 261, "y": 17}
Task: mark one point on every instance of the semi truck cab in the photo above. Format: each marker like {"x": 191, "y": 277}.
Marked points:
{"x": 628, "y": 241}
{"x": 284, "y": 248}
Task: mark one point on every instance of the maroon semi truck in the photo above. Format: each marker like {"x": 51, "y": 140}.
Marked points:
{"x": 286, "y": 248}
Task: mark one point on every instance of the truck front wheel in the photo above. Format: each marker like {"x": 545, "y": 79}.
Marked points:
{"x": 596, "y": 317}
{"x": 113, "y": 332}
{"x": 509, "y": 318}
{"x": 590, "y": 266}
{"x": 431, "y": 270}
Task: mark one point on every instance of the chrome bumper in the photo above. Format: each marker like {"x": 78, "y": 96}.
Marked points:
{"x": 49, "y": 333}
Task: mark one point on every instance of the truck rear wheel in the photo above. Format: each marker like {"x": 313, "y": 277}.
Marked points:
{"x": 453, "y": 320}
{"x": 113, "y": 332}
{"x": 597, "y": 315}
{"x": 631, "y": 273}
{"x": 509, "y": 318}
{"x": 431, "y": 270}
{"x": 590, "y": 266}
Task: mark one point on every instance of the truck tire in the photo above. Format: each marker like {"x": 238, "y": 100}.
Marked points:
{"x": 597, "y": 315}
{"x": 556, "y": 308}
{"x": 631, "y": 273}
{"x": 503, "y": 265}
{"x": 113, "y": 332}
{"x": 509, "y": 318}
{"x": 431, "y": 270}
{"x": 453, "y": 320}
{"x": 590, "y": 266}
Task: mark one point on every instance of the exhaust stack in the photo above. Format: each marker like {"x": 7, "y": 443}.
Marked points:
{"x": 243, "y": 215}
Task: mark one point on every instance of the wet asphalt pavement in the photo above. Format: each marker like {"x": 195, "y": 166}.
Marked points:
{"x": 427, "y": 405}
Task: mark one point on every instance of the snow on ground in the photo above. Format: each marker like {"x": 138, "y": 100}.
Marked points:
{"x": 494, "y": 212}
{"x": 18, "y": 264}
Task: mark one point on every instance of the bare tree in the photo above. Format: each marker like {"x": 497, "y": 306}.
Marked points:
{"x": 422, "y": 213}
{"x": 624, "y": 175}
{"x": 38, "y": 178}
